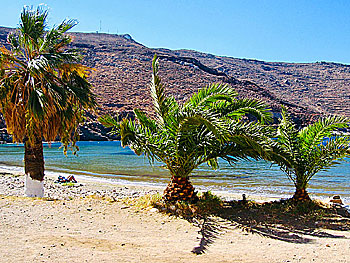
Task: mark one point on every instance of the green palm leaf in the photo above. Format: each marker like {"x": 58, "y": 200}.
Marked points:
{"x": 314, "y": 134}
{"x": 210, "y": 94}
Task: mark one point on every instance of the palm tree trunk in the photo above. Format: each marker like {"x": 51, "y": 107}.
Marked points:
{"x": 180, "y": 189}
{"x": 34, "y": 167}
{"x": 301, "y": 195}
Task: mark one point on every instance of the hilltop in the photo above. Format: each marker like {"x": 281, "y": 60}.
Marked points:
{"x": 123, "y": 71}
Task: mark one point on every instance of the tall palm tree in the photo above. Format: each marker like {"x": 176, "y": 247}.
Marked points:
{"x": 301, "y": 154}
{"x": 43, "y": 90}
{"x": 199, "y": 131}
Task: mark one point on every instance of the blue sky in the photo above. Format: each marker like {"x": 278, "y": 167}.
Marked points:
{"x": 274, "y": 30}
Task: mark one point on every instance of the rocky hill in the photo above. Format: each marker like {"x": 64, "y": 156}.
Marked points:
{"x": 123, "y": 71}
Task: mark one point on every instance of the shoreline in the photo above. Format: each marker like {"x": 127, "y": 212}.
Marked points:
{"x": 108, "y": 162}
{"x": 108, "y": 186}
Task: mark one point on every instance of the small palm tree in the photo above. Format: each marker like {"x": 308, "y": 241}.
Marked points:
{"x": 199, "y": 131}
{"x": 301, "y": 154}
{"x": 43, "y": 90}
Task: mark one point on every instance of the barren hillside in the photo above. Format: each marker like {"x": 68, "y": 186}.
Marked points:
{"x": 123, "y": 71}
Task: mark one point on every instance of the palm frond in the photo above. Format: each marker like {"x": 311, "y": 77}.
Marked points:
{"x": 313, "y": 135}
{"x": 247, "y": 140}
{"x": 327, "y": 155}
{"x": 33, "y": 23}
{"x": 288, "y": 136}
{"x": 109, "y": 122}
{"x": 158, "y": 93}
{"x": 145, "y": 121}
{"x": 210, "y": 94}
{"x": 190, "y": 119}
{"x": 238, "y": 108}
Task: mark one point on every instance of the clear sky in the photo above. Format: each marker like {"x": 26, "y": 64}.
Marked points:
{"x": 271, "y": 30}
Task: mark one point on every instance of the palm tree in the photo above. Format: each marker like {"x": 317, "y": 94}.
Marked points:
{"x": 43, "y": 90}
{"x": 301, "y": 154}
{"x": 199, "y": 131}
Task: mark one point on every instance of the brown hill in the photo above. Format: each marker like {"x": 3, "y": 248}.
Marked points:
{"x": 123, "y": 70}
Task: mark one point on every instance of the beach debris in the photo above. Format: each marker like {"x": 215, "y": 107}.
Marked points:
{"x": 336, "y": 200}
{"x": 153, "y": 210}
{"x": 244, "y": 198}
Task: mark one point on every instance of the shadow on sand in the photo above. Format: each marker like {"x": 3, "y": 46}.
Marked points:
{"x": 271, "y": 220}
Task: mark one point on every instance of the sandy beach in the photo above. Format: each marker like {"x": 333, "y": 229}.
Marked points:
{"x": 92, "y": 222}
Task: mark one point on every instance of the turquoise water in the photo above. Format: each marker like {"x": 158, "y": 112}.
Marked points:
{"x": 110, "y": 160}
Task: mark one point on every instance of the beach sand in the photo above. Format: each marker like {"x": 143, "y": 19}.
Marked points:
{"x": 93, "y": 223}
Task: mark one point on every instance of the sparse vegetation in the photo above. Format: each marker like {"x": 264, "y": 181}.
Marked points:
{"x": 145, "y": 201}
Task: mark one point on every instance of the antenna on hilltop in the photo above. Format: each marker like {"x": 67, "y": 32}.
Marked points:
{"x": 100, "y": 25}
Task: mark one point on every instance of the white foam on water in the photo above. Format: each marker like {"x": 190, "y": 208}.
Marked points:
{"x": 11, "y": 169}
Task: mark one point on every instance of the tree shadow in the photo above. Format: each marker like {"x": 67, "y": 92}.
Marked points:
{"x": 281, "y": 221}
{"x": 210, "y": 229}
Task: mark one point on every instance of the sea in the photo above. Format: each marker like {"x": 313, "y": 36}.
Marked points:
{"x": 109, "y": 161}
